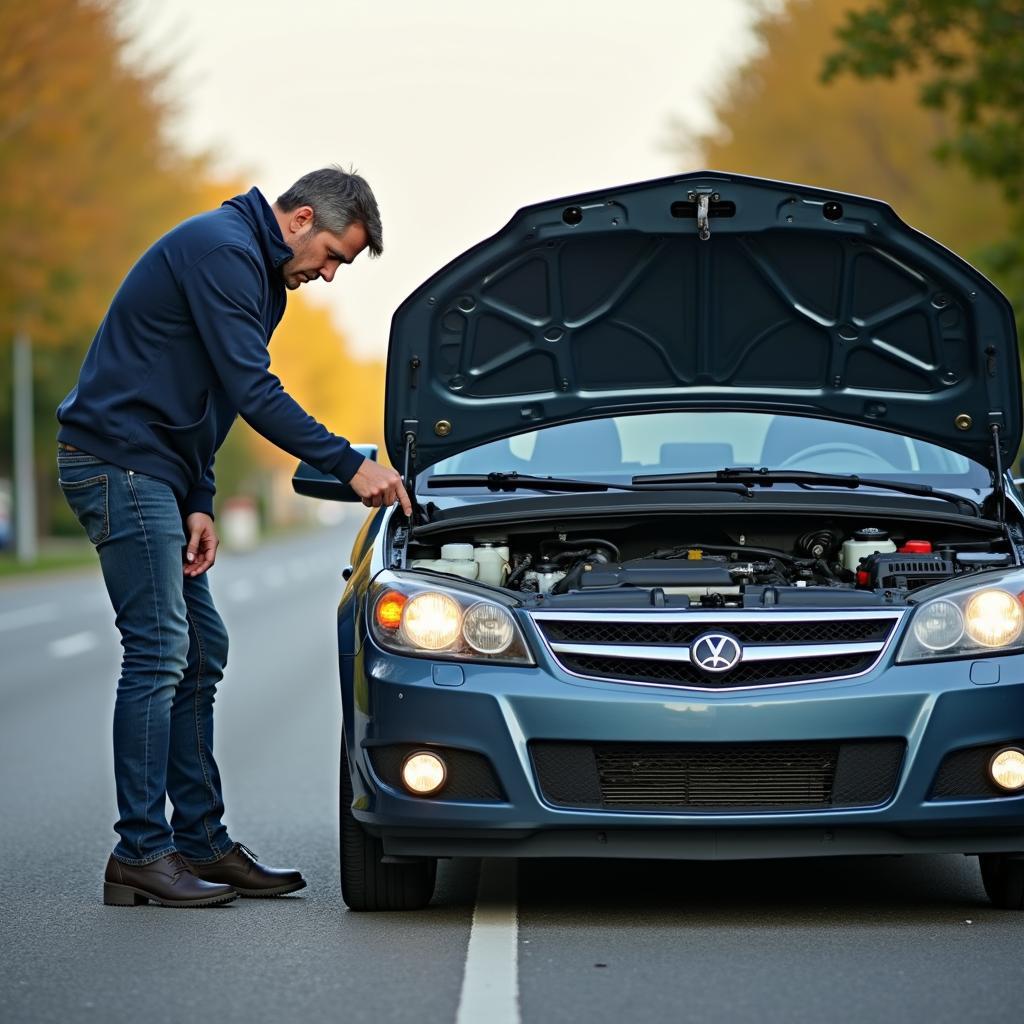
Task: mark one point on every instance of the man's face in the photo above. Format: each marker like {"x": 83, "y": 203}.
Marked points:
{"x": 319, "y": 254}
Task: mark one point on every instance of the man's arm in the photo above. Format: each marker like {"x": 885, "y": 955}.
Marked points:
{"x": 200, "y": 498}
{"x": 223, "y": 290}
{"x": 223, "y": 293}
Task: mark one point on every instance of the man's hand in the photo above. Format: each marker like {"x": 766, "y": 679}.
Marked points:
{"x": 201, "y": 551}
{"x": 377, "y": 485}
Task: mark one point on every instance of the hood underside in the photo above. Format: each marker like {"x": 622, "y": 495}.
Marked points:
{"x": 798, "y": 301}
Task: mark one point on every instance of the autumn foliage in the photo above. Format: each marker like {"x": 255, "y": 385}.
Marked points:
{"x": 88, "y": 176}
{"x": 91, "y": 178}
{"x": 778, "y": 119}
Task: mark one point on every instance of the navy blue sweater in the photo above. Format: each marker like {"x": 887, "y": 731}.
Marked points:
{"x": 183, "y": 350}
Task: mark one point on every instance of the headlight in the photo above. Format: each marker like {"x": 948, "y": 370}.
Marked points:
{"x": 488, "y": 628}
{"x": 938, "y": 625}
{"x": 409, "y": 617}
{"x": 983, "y": 619}
{"x": 993, "y": 618}
{"x": 431, "y": 621}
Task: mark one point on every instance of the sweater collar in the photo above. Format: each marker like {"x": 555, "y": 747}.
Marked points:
{"x": 257, "y": 211}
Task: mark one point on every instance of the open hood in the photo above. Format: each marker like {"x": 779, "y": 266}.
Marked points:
{"x": 704, "y": 291}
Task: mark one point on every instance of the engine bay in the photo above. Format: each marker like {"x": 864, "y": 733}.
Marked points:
{"x": 717, "y": 564}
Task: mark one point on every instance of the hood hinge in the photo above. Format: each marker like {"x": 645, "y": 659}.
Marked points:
{"x": 995, "y": 423}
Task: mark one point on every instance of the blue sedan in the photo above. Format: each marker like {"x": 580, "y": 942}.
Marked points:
{"x": 714, "y": 552}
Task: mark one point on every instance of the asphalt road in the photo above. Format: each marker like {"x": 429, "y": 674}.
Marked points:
{"x": 838, "y": 940}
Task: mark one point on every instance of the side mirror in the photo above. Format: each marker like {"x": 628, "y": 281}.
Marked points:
{"x": 314, "y": 484}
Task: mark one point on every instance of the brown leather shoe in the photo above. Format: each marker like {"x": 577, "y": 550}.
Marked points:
{"x": 168, "y": 881}
{"x": 240, "y": 869}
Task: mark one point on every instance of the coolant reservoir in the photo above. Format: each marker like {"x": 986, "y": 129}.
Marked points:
{"x": 863, "y": 543}
{"x": 428, "y": 563}
{"x": 493, "y": 562}
{"x": 456, "y": 559}
{"x": 460, "y": 560}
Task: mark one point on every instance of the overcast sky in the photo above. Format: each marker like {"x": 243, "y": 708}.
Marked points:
{"x": 458, "y": 112}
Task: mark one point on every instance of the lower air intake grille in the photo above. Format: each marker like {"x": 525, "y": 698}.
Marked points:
{"x": 717, "y": 776}
{"x": 963, "y": 774}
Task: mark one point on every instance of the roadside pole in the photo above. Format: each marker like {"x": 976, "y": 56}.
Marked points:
{"x": 24, "y": 451}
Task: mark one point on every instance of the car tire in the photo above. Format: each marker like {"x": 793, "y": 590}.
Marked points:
{"x": 1003, "y": 877}
{"x": 366, "y": 882}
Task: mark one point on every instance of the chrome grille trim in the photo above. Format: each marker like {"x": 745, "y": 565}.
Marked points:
{"x": 716, "y": 617}
{"x": 763, "y": 652}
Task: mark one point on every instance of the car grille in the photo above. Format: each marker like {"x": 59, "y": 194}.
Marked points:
{"x": 758, "y": 673}
{"x": 657, "y": 648}
{"x": 747, "y": 777}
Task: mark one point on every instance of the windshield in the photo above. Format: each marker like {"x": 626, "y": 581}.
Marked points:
{"x": 617, "y": 448}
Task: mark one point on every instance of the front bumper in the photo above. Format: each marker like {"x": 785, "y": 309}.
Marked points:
{"x": 497, "y": 711}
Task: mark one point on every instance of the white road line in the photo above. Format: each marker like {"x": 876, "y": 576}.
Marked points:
{"x": 29, "y": 616}
{"x": 240, "y": 590}
{"x": 69, "y": 646}
{"x": 490, "y": 982}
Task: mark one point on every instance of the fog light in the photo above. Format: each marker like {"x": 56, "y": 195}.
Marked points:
{"x": 1007, "y": 769}
{"x": 423, "y": 773}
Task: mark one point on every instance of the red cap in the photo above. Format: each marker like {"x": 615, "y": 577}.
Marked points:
{"x": 917, "y": 547}
{"x": 863, "y": 578}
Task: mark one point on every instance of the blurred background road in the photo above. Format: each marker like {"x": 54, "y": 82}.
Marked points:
{"x": 843, "y": 940}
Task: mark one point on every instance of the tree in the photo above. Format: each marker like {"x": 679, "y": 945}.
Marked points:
{"x": 776, "y": 118}
{"x": 971, "y": 55}
{"x": 968, "y": 59}
{"x": 89, "y": 176}
{"x": 89, "y": 179}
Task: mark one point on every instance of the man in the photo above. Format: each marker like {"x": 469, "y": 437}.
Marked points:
{"x": 181, "y": 352}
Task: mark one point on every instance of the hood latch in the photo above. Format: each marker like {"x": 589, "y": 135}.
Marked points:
{"x": 703, "y": 198}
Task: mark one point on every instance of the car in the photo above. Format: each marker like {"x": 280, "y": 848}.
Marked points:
{"x": 714, "y": 551}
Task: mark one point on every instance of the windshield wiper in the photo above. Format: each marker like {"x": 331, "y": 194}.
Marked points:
{"x": 526, "y": 482}
{"x": 751, "y": 477}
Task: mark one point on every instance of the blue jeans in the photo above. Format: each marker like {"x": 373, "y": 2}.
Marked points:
{"x": 175, "y": 648}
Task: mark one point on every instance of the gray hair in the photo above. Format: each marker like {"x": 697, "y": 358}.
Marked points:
{"x": 338, "y": 198}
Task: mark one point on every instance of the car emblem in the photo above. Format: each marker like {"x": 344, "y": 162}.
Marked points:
{"x": 716, "y": 652}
